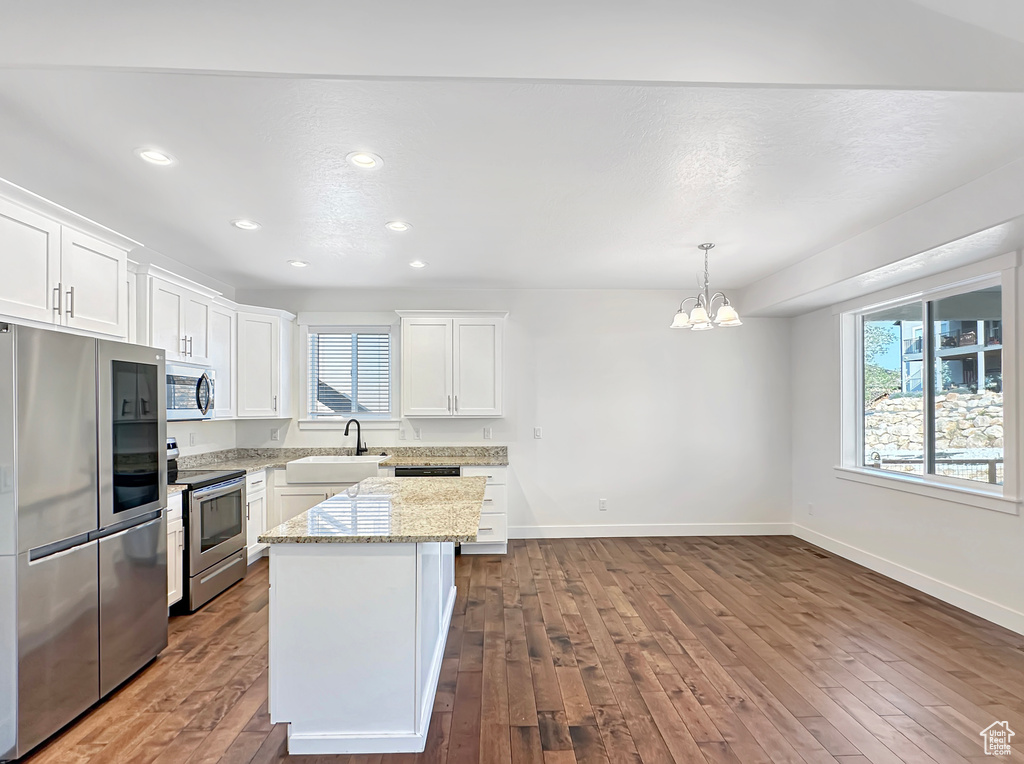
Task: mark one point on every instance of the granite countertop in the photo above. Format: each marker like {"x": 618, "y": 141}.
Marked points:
{"x": 390, "y": 510}
{"x": 257, "y": 459}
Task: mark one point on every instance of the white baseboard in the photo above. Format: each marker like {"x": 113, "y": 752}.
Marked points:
{"x": 972, "y": 603}
{"x": 626, "y": 531}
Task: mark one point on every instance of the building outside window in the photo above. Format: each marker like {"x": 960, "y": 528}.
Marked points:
{"x": 931, "y": 386}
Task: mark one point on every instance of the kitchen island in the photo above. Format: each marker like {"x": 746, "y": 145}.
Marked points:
{"x": 362, "y": 588}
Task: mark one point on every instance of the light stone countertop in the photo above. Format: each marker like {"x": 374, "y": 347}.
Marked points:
{"x": 257, "y": 459}
{"x": 390, "y": 510}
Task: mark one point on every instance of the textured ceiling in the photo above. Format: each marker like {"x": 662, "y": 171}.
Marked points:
{"x": 506, "y": 184}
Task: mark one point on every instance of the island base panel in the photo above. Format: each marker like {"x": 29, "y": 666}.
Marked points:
{"x": 357, "y": 635}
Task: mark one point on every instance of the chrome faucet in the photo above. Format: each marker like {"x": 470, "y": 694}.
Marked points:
{"x": 360, "y": 446}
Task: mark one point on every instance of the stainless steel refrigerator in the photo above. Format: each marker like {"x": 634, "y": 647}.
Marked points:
{"x": 83, "y": 489}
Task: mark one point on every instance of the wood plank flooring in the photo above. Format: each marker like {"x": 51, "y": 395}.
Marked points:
{"x": 704, "y": 650}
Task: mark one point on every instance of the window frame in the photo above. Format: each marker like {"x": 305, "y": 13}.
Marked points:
{"x": 331, "y": 324}
{"x": 1001, "y": 271}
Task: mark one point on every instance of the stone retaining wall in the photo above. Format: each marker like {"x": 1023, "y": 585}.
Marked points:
{"x": 971, "y": 420}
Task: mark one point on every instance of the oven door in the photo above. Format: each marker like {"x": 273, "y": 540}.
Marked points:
{"x": 216, "y": 523}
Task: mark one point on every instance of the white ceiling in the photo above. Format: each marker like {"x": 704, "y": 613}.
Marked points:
{"x": 506, "y": 184}
{"x": 545, "y": 143}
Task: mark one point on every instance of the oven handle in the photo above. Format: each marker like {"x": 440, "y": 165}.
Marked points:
{"x": 220, "y": 489}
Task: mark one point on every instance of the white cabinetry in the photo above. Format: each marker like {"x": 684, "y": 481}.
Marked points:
{"x": 223, "y": 350}
{"x": 55, "y": 274}
{"x": 180, "y": 321}
{"x": 175, "y": 549}
{"x": 255, "y": 513}
{"x": 452, "y": 364}
{"x": 492, "y": 535}
{"x": 264, "y": 369}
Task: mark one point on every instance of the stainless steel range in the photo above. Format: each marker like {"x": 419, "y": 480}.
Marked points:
{"x": 213, "y": 510}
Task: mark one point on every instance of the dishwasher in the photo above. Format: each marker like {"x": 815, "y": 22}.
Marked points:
{"x": 428, "y": 471}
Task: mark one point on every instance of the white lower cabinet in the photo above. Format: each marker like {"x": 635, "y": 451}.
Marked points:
{"x": 492, "y": 535}
{"x": 255, "y": 513}
{"x": 175, "y": 550}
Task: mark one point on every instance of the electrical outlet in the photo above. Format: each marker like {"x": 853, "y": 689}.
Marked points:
{"x": 401, "y": 434}
{"x": 191, "y": 438}
{"x": 538, "y": 432}
{"x": 275, "y": 434}
{"x": 810, "y": 508}
{"x": 487, "y": 433}
{"x": 415, "y": 433}
{"x": 602, "y": 505}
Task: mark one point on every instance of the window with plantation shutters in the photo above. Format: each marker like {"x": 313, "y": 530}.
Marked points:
{"x": 349, "y": 373}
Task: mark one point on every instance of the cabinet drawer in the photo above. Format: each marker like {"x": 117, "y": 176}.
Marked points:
{"x": 494, "y": 475}
{"x": 495, "y": 498}
{"x": 493, "y": 528}
{"x": 257, "y": 481}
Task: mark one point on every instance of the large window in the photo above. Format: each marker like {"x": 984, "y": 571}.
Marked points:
{"x": 349, "y": 373}
{"x": 931, "y": 386}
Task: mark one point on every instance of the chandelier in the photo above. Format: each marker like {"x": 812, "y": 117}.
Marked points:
{"x": 700, "y": 317}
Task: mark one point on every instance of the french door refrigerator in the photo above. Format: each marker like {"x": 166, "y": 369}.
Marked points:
{"x": 82, "y": 529}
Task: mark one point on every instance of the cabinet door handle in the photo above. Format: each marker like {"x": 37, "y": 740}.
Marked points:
{"x": 488, "y": 500}
{"x": 58, "y": 293}
{"x": 275, "y": 403}
{"x": 449, "y": 404}
{"x": 190, "y": 347}
{"x": 184, "y": 346}
{"x": 246, "y": 510}
{"x": 456, "y": 404}
{"x": 71, "y": 303}
{"x": 483, "y": 530}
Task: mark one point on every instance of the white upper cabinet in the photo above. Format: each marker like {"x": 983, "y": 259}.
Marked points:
{"x": 427, "y": 367}
{"x": 264, "y": 368}
{"x": 56, "y": 274}
{"x": 180, "y": 320}
{"x": 477, "y": 368}
{"x": 222, "y": 339}
{"x": 452, "y": 364}
{"x": 30, "y": 248}
{"x": 93, "y": 276}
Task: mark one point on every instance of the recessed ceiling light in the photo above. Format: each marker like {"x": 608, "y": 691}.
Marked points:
{"x": 155, "y": 156}
{"x": 298, "y": 263}
{"x": 398, "y": 225}
{"x": 417, "y": 264}
{"x": 364, "y": 160}
{"x": 246, "y": 225}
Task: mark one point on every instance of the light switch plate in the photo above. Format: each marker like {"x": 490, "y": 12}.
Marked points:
{"x": 275, "y": 434}
{"x": 487, "y": 433}
{"x": 538, "y": 432}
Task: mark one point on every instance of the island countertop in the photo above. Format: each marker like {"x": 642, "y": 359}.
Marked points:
{"x": 390, "y": 510}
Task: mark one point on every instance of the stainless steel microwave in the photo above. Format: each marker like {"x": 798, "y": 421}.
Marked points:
{"x": 190, "y": 392}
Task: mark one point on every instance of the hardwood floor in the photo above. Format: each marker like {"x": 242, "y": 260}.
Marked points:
{"x": 706, "y": 650}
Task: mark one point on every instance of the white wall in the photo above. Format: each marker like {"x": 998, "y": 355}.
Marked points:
{"x": 682, "y": 432}
{"x": 966, "y": 555}
{"x": 209, "y": 436}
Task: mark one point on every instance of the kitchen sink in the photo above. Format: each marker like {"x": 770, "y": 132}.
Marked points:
{"x": 332, "y": 469}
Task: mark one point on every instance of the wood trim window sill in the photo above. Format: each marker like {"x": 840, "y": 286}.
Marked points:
{"x": 972, "y": 498}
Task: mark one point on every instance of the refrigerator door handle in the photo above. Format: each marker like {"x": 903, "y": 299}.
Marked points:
{"x": 61, "y": 548}
{"x": 122, "y": 528}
